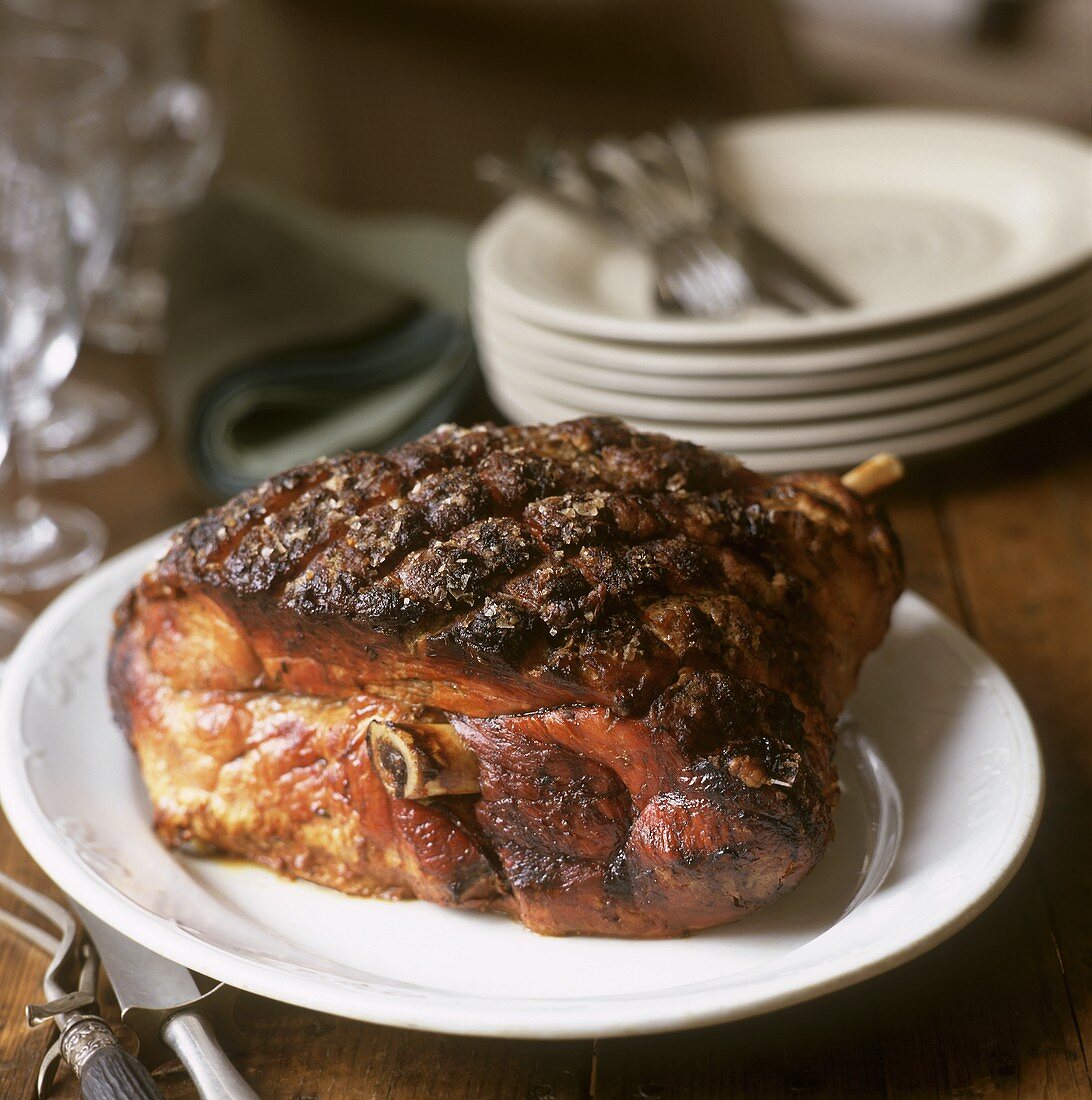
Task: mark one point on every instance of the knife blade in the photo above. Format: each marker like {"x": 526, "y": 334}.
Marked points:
{"x": 162, "y": 1003}
{"x": 769, "y": 252}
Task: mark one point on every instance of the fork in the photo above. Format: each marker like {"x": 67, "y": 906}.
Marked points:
{"x": 697, "y": 272}
{"x": 696, "y": 276}
{"x": 86, "y": 1041}
{"x": 683, "y": 158}
{"x": 692, "y": 274}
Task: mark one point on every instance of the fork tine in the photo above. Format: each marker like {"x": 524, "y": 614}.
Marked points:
{"x": 47, "y": 1070}
{"x": 702, "y": 278}
{"x": 37, "y": 936}
{"x": 52, "y": 911}
{"x": 58, "y": 916}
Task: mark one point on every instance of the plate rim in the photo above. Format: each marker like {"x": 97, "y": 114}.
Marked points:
{"x": 780, "y": 363}
{"x": 934, "y": 392}
{"x": 450, "y": 1016}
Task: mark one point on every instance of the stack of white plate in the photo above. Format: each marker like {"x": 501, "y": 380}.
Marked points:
{"x": 965, "y": 241}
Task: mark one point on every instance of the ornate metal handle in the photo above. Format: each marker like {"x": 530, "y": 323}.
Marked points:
{"x": 105, "y": 1070}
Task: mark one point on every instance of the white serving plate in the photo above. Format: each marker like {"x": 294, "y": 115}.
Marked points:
{"x": 550, "y": 379}
{"x": 781, "y": 369}
{"x": 918, "y": 214}
{"x": 522, "y": 407}
{"x": 943, "y": 788}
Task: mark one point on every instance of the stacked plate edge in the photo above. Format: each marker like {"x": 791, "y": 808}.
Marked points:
{"x": 965, "y": 241}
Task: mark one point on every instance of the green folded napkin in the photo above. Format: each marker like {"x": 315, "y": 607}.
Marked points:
{"x": 294, "y": 332}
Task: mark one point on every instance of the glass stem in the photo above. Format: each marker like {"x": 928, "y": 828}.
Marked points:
{"x": 24, "y": 531}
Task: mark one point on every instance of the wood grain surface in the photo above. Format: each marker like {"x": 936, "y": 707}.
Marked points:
{"x": 1000, "y": 538}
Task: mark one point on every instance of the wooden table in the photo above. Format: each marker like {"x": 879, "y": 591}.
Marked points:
{"x": 1000, "y": 538}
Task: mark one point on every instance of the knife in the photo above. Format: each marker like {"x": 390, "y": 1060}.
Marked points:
{"x": 162, "y": 1003}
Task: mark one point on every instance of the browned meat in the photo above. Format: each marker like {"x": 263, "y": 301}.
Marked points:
{"x": 577, "y": 674}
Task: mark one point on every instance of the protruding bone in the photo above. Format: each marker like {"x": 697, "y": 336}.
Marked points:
{"x": 425, "y": 760}
{"x": 874, "y": 474}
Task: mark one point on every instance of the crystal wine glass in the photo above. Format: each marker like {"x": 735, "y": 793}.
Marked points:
{"x": 41, "y": 544}
{"x": 176, "y": 50}
{"x": 91, "y": 427}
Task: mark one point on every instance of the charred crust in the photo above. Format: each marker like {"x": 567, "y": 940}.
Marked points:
{"x": 500, "y": 630}
{"x": 528, "y": 547}
{"x": 706, "y": 709}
